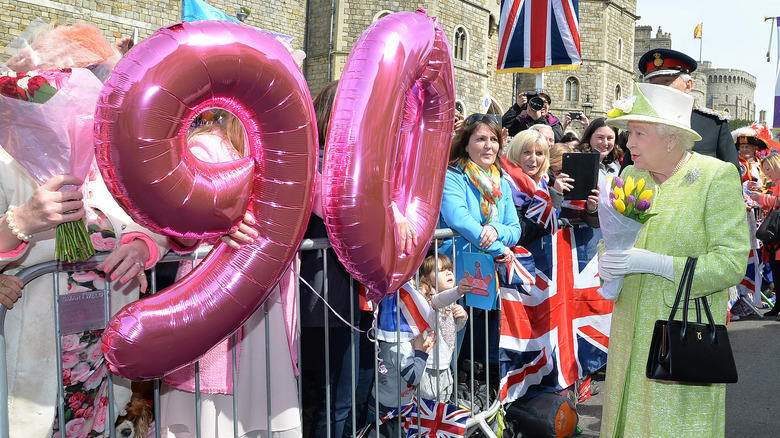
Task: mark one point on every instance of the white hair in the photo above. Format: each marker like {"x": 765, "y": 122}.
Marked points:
{"x": 540, "y": 127}
{"x": 685, "y": 139}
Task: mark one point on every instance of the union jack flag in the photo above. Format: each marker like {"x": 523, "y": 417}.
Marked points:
{"x": 520, "y": 273}
{"x": 417, "y": 315}
{"x": 541, "y": 209}
{"x": 537, "y": 198}
{"x": 435, "y": 419}
{"x": 559, "y": 332}
{"x": 749, "y": 287}
{"x": 538, "y": 35}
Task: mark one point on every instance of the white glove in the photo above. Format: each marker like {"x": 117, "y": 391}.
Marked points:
{"x": 617, "y": 263}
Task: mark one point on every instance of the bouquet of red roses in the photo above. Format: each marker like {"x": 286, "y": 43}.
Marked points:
{"x": 46, "y": 123}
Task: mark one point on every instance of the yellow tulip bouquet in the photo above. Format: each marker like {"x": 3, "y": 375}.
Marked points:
{"x": 631, "y": 199}
{"x": 624, "y": 206}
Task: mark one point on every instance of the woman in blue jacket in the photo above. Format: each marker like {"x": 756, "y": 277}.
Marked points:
{"x": 477, "y": 203}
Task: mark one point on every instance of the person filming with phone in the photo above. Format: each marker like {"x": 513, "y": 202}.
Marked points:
{"x": 533, "y": 108}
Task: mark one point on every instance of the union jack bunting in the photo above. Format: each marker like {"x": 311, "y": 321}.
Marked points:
{"x": 417, "y": 315}
{"x": 435, "y": 419}
{"x": 538, "y": 35}
{"x": 559, "y": 332}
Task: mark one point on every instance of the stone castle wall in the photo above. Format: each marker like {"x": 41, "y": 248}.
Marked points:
{"x": 733, "y": 91}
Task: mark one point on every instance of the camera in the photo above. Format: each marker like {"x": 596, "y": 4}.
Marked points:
{"x": 535, "y": 102}
{"x": 575, "y": 115}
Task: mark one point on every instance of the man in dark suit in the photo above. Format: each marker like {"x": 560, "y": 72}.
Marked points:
{"x": 672, "y": 68}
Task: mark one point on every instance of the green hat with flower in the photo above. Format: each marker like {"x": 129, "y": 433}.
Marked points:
{"x": 654, "y": 104}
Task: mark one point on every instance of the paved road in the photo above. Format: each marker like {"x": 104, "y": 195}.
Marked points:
{"x": 752, "y": 404}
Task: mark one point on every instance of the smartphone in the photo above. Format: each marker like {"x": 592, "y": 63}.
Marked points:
{"x": 583, "y": 167}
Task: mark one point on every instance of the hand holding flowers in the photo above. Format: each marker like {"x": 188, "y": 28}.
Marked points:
{"x": 624, "y": 207}
{"x": 46, "y": 126}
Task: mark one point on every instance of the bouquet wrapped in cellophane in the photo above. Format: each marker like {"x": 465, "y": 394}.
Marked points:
{"x": 46, "y": 123}
{"x": 623, "y": 209}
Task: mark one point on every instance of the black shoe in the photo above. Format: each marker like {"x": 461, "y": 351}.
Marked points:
{"x": 774, "y": 312}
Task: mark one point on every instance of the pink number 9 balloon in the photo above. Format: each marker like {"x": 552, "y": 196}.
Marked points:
{"x": 141, "y": 123}
{"x": 388, "y": 142}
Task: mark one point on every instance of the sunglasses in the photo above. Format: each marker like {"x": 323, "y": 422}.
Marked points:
{"x": 476, "y": 117}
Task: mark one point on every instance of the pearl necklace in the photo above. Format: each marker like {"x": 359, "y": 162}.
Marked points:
{"x": 678, "y": 166}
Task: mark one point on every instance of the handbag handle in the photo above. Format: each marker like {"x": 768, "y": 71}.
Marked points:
{"x": 687, "y": 277}
{"x": 685, "y": 284}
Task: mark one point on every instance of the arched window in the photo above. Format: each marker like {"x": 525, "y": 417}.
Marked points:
{"x": 460, "y": 108}
{"x": 382, "y": 14}
{"x": 618, "y": 92}
{"x": 620, "y": 49}
{"x": 572, "y": 89}
{"x": 461, "y": 43}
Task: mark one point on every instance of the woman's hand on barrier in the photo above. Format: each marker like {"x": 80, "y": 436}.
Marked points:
{"x": 424, "y": 341}
{"x": 487, "y": 236}
{"x": 245, "y": 233}
{"x": 459, "y": 312}
{"x": 10, "y": 290}
{"x": 563, "y": 183}
{"x": 126, "y": 262}
{"x": 48, "y": 207}
{"x": 506, "y": 257}
{"x": 405, "y": 231}
{"x": 464, "y": 287}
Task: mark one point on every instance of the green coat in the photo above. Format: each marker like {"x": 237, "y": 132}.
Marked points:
{"x": 700, "y": 213}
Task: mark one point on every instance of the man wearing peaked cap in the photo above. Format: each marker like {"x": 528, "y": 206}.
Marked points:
{"x": 672, "y": 68}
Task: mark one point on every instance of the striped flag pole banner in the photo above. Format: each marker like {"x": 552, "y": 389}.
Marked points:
{"x": 776, "y": 123}
{"x": 539, "y": 35}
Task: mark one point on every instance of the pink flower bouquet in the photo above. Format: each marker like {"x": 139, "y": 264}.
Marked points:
{"x": 46, "y": 123}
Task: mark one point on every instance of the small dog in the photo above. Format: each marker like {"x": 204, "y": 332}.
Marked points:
{"x": 135, "y": 419}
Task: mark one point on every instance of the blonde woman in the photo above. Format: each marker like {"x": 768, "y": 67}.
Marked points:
{"x": 525, "y": 167}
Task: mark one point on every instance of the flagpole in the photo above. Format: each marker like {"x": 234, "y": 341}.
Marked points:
{"x": 701, "y": 38}
{"x": 771, "y": 34}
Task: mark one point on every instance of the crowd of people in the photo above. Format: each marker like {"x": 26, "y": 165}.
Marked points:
{"x": 505, "y": 186}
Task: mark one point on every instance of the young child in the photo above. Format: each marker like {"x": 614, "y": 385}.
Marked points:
{"x": 437, "y": 382}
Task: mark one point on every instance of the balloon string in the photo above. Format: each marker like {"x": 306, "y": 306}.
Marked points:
{"x": 381, "y": 367}
{"x": 331, "y": 308}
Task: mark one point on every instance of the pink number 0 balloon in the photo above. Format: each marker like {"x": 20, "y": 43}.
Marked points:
{"x": 388, "y": 142}
{"x": 141, "y": 122}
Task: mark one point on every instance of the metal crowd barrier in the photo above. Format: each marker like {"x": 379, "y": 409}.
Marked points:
{"x": 477, "y": 421}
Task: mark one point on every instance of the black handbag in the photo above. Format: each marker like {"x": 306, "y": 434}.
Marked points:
{"x": 769, "y": 231}
{"x": 690, "y": 352}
